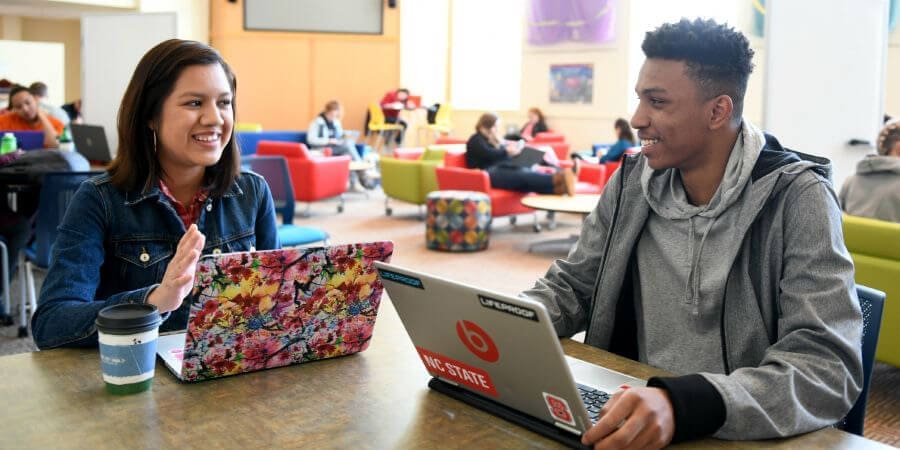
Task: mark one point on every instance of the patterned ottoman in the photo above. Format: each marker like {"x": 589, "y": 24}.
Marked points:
{"x": 457, "y": 221}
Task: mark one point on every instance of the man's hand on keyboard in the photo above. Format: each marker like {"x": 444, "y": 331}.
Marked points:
{"x": 634, "y": 418}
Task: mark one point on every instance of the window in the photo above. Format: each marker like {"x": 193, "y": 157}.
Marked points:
{"x": 486, "y": 54}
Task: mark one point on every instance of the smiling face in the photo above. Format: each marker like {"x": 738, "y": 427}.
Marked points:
{"x": 672, "y": 118}
{"x": 25, "y": 105}
{"x": 196, "y": 119}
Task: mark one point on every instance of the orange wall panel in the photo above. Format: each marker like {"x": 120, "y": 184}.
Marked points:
{"x": 284, "y": 79}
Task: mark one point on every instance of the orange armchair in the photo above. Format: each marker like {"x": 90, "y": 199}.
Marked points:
{"x": 313, "y": 178}
{"x": 503, "y": 202}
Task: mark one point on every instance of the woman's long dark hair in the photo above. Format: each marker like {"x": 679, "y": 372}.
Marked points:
{"x": 624, "y": 130}
{"x": 484, "y": 125}
{"x": 136, "y": 166}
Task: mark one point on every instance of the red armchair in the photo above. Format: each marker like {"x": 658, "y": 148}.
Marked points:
{"x": 613, "y": 166}
{"x": 549, "y": 136}
{"x": 556, "y": 141}
{"x": 450, "y": 140}
{"x": 591, "y": 178}
{"x": 503, "y": 202}
{"x": 313, "y": 178}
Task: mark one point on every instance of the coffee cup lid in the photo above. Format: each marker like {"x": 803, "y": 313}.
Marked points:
{"x": 128, "y": 317}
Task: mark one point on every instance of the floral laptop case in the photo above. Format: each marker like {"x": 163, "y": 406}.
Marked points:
{"x": 258, "y": 310}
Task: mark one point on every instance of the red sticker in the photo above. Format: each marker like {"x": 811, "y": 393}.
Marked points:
{"x": 457, "y": 371}
{"x": 477, "y": 341}
{"x": 559, "y": 409}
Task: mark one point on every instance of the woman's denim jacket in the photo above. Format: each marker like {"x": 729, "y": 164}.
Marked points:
{"x": 114, "y": 246}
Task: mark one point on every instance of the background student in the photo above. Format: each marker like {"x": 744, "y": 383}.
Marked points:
{"x": 874, "y": 191}
{"x": 486, "y": 151}
{"x": 26, "y": 115}
{"x": 624, "y": 141}
{"x": 39, "y": 90}
{"x": 174, "y": 192}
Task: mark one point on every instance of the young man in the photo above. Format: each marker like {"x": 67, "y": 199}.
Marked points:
{"x": 717, "y": 255}
{"x": 39, "y": 90}
{"x": 874, "y": 190}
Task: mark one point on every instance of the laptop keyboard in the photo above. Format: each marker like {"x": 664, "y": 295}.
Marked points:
{"x": 593, "y": 400}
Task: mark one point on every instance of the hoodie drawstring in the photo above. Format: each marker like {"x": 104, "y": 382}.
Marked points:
{"x": 692, "y": 289}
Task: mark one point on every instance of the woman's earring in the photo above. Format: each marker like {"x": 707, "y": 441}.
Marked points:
{"x": 154, "y": 141}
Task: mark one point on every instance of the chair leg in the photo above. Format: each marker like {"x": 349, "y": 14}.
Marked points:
{"x": 340, "y": 207}
{"x": 421, "y": 212}
{"x": 5, "y": 282}
{"x": 306, "y": 212}
{"x": 32, "y": 298}
{"x": 23, "y": 299}
{"x": 379, "y": 142}
{"x": 387, "y": 206}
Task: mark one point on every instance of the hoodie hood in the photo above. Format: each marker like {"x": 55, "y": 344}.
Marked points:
{"x": 875, "y": 163}
{"x": 664, "y": 191}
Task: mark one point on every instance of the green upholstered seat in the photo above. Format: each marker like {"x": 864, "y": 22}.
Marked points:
{"x": 875, "y": 248}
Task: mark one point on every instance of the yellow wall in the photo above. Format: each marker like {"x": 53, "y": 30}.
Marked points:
{"x": 67, "y": 32}
{"x": 284, "y": 79}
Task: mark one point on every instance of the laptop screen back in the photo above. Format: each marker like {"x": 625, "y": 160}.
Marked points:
{"x": 90, "y": 141}
{"x": 257, "y": 310}
{"x": 27, "y": 140}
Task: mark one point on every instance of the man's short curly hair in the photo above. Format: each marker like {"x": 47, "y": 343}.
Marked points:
{"x": 717, "y": 56}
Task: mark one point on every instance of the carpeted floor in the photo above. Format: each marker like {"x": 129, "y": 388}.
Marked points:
{"x": 506, "y": 266}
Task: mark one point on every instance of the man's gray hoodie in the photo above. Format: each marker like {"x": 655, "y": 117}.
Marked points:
{"x": 874, "y": 191}
{"x": 765, "y": 292}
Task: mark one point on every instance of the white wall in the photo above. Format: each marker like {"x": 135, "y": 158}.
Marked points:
{"x": 815, "y": 102}
{"x": 26, "y": 62}
{"x": 113, "y": 45}
{"x": 424, "y": 49}
{"x": 192, "y": 16}
{"x": 892, "y": 88}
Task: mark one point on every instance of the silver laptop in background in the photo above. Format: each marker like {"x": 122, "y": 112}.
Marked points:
{"x": 499, "y": 353}
{"x": 90, "y": 141}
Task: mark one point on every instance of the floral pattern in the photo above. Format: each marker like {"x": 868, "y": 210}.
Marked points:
{"x": 457, "y": 221}
{"x": 258, "y": 310}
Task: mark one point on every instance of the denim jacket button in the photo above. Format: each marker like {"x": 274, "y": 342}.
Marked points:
{"x": 145, "y": 257}
{"x": 208, "y": 207}
{"x": 252, "y": 248}
{"x": 217, "y": 251}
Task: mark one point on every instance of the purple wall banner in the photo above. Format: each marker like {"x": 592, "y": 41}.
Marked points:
{"x": 557, "y": 21}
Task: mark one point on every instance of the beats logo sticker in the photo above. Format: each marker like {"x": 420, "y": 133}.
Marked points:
{"x": 477, "y": 341}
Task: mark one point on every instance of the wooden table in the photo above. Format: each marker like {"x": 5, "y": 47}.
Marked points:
{"x": 375, "y": 399}
{"x": 576, "y": 204}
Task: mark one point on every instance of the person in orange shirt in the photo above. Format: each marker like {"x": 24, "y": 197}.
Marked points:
{"x": 25, "y": 115}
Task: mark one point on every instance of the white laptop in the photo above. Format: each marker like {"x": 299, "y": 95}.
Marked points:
{"x": 499, "y": 353}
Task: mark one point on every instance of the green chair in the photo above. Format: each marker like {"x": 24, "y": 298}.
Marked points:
{"x": 875, "y": 248}
{"x": 410, "y": 180}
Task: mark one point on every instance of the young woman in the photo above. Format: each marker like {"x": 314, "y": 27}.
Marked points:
{"x": 484, "y": 150}
{"x": 175, "y": 191}
{"x": 325, "y": 130}
{"x": 624, "y": 141}
{"x": 531, "y": 128}
{"x": 25, "y": 115}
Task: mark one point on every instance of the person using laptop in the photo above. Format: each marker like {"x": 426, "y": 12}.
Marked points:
{"x": 325, "y": 130}
{"x": 717, "y": 255}
{"x": 173, "y": 193}
{"x": 25, "y": 115}
{"x": 485, "y": 150}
